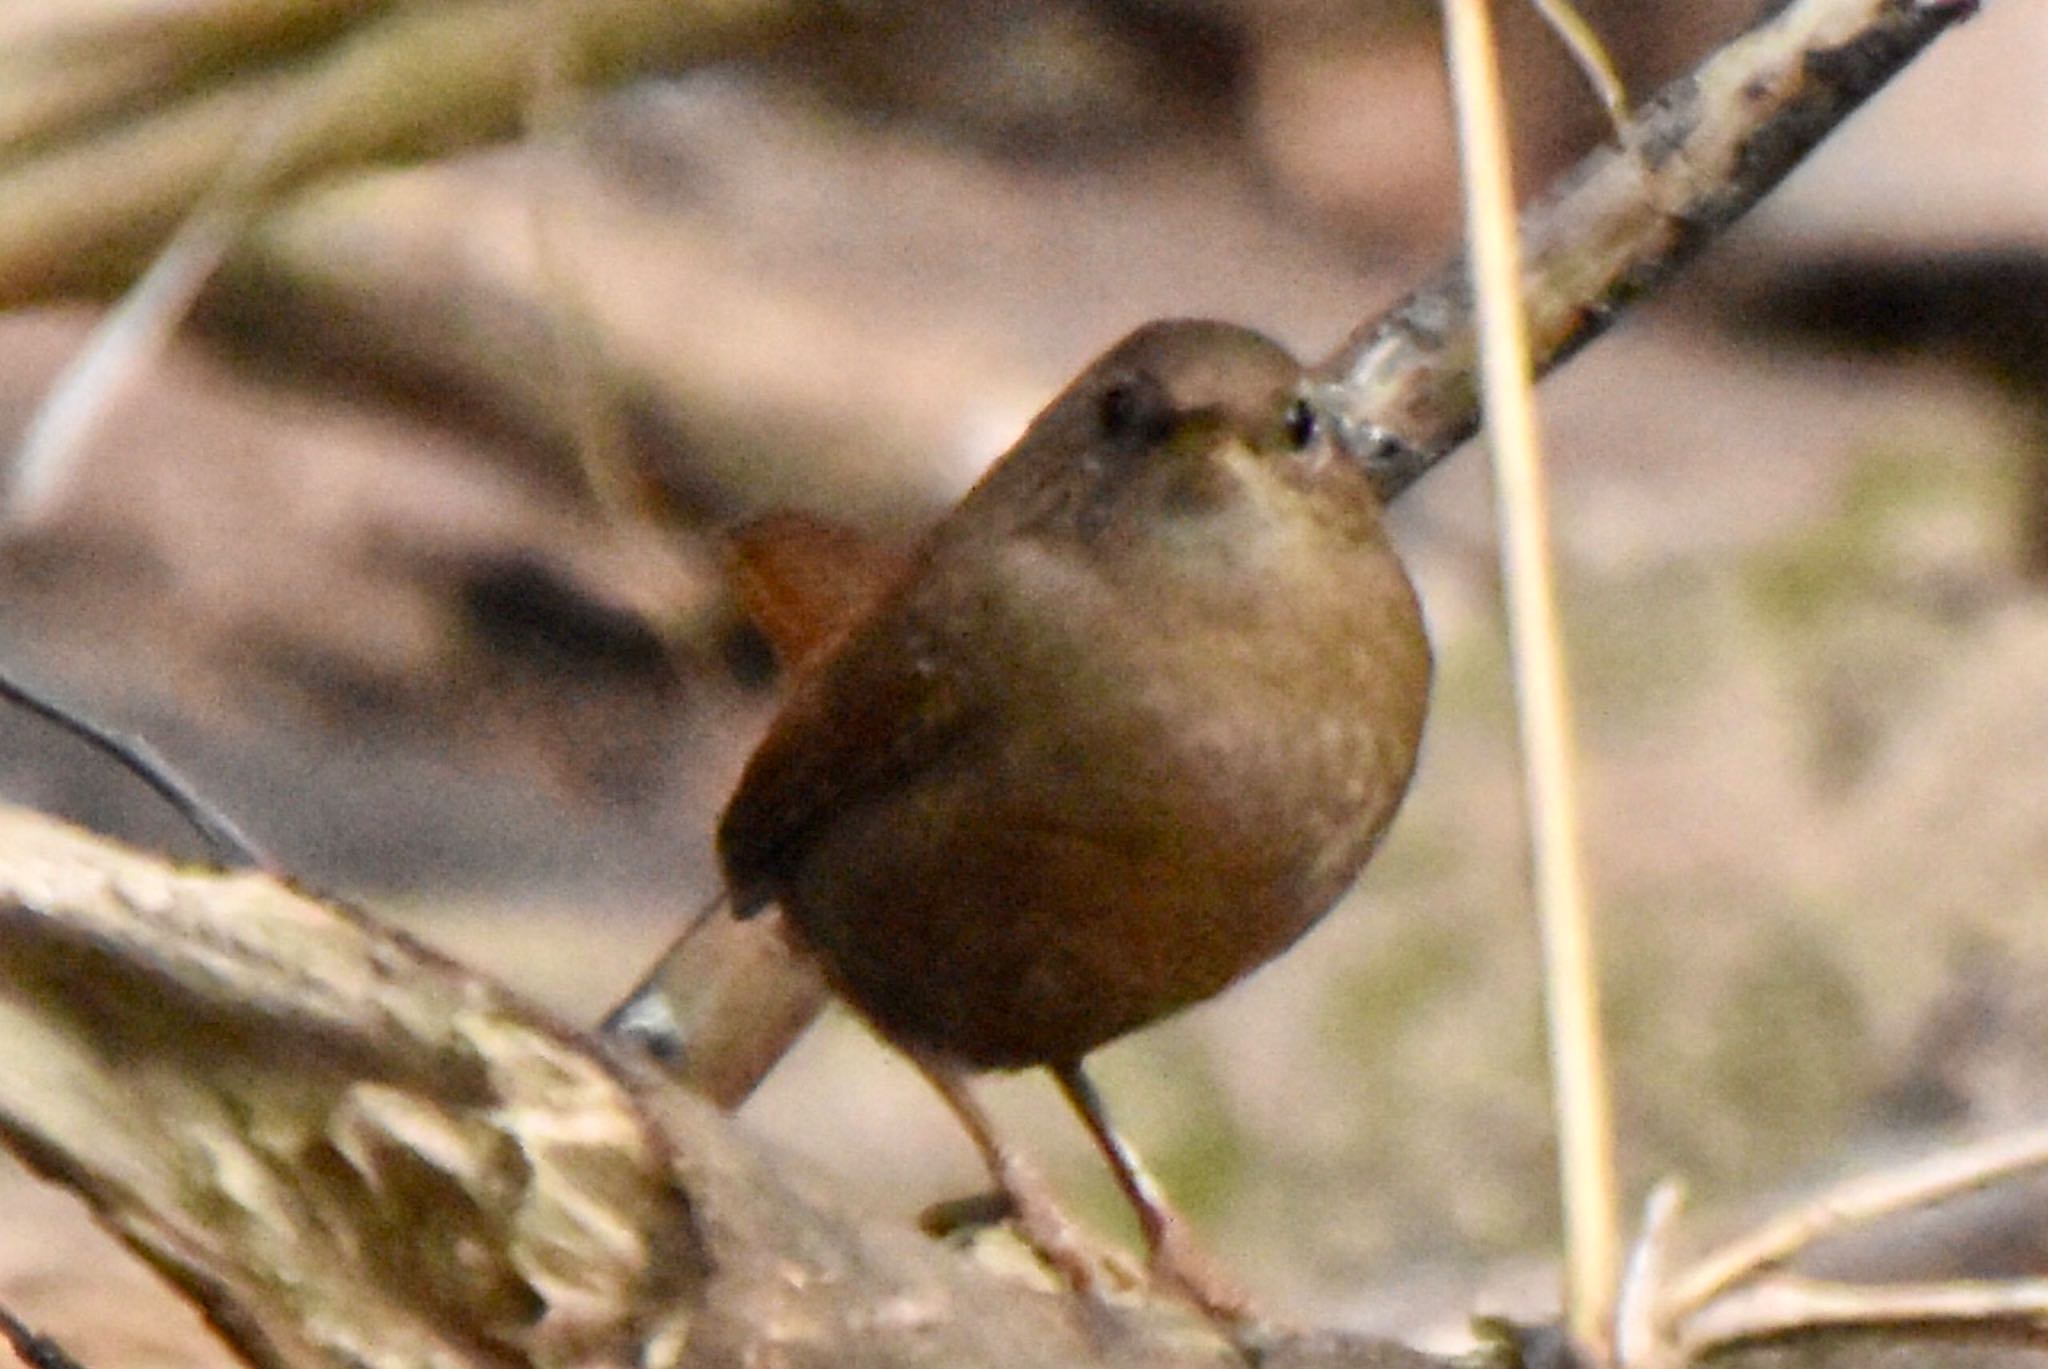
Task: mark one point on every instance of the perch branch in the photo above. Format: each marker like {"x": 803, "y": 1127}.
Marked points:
{"x": 1692, "y": 161}
{"x": 349, "y": 1150}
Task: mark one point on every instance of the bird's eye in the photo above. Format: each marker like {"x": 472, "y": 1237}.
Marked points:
{"x": 1301, "y": 424}
{"x": 1136, "y": 411}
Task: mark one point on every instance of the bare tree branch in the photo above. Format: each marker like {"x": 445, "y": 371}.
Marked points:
{"x": 1695, "y": 159}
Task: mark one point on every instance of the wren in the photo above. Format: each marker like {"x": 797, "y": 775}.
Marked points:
{"x": 1131, "y": 719}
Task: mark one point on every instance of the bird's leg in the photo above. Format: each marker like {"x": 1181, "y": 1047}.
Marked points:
{"x": 1177, "y": 1259}
{"x": 1039, "y": 1220}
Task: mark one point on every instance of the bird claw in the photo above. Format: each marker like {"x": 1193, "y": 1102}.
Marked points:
{"x": 973, "y": 1212}
{"x": 1179, "y": 1266}
{"x": 1182, "y": 1267}
{"x": 1081, "y": 1263}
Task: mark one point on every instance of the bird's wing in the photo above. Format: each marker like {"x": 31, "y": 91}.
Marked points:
{"x": 885, "y": 706}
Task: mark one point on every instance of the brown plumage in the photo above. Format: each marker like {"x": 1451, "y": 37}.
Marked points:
{"x": 1131, "y": 720}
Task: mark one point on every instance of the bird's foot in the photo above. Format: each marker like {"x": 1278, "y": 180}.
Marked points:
{"x": 1081, "y": 1263}
{"x": 1182, "y": 1267}
{"x": 953, "y": 1216}
{"x": 1085, "y": 1265}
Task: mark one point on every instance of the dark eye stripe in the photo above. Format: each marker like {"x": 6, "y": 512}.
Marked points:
{"x": 1137, "y": 410}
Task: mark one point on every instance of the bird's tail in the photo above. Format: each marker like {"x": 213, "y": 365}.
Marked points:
{"x": 725, "y": 1002}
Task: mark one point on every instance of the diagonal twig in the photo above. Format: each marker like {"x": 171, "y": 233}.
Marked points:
{"x": 229, "y": 843}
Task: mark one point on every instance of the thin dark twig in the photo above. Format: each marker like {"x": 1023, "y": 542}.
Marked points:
{"x": 36, "y": 1351}
{"x": 228, "y": 842}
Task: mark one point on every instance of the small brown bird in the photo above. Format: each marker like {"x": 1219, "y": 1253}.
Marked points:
{"x": 1130, "y": 721}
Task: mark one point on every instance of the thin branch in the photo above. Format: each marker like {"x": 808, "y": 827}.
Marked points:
{"x": 1639, "y": 1342}
{"x": 1787, "y": 1306}
{"x": 125, "y": 343}
{"x": 629, "y": 502}
{"x": 1694, "y": 159}
{"x": 228, "y": 842}
{"x": 134, "y": 332}
{"x": 1582, "y": 41}
{"x": 37, "y": 1351}
{"x": 554, "y": 119}
{"x": 1853, "y": 1202}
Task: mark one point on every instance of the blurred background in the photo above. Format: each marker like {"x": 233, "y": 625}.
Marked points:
{"x": 404, "y": 547}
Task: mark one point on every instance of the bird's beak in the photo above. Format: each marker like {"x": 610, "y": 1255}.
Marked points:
{"x": 1391, "y": 464}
